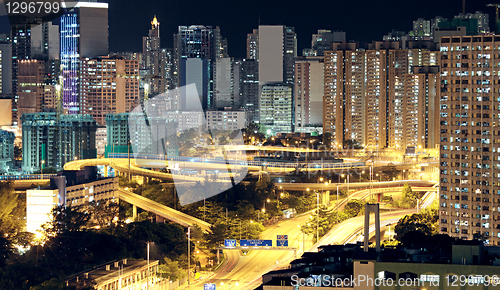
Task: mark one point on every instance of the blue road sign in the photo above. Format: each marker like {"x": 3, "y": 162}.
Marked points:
{"x": 208, "y": 286}
{"x": 229, "y": 243}
{"x": 256, "y": 243}
{"x": 282, "y": 243}
{"x": 282, "y": 237}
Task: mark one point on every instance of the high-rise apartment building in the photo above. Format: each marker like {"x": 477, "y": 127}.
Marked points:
{"x": 109, "y": 85}
{"x": 421, "y": 107}
{"x": 469, "y": 144}
{"x": 83, "y": 34}
{"x": 308, "y": 93}
{"x": 365, "y": 94}
{"x": 50, "y": 140}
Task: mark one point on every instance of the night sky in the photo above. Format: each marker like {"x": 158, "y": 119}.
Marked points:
{"x": 362, "y": 20}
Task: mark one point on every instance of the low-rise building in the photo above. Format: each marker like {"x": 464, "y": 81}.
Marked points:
{"x": 421, "y": 266}
{"x": 71, "y": 188}
{"x": 121, "y": 274}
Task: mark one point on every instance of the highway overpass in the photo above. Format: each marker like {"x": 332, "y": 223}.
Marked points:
{"x": 162, "y": 210}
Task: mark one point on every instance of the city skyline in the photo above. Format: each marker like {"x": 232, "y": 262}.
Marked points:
{"x": 235, "y": 25}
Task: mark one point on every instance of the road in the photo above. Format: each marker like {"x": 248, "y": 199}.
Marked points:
{"x": 162, "y": 210}
{"x": 250, "y": 268}
{"x": 354, "y": 185}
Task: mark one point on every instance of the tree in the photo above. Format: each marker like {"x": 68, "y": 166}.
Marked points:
{"x": 103, "y": 213}
{"x": 408, "y": 198}
{"x": 390, "y": 172}
{"x": 12, "y": 211}
{"x": 66, "y": 219}
{"x": 354, "y": 208}
{"x": 171, "y": 270}
{"x": 425, "y": 222}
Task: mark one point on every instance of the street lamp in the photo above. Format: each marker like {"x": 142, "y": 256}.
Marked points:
{"x": 317, "y": 217}
{"x": 189, "y": 255}
{"x": 337, "y": 202}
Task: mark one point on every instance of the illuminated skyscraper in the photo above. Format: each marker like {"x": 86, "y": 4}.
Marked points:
{"x": 206, "y": 44}
{"x": 109, "y": 85}
{"x": 84, "y": 34}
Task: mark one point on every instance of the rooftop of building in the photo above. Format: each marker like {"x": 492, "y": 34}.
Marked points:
{"x": 109, "y": 271}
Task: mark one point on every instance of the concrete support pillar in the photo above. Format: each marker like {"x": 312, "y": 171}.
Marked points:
{"x": 160, "y": 219}
{"x": 134, "y": 212}
{"x": 325, "y": 198}
{"x": 375, "y": 209}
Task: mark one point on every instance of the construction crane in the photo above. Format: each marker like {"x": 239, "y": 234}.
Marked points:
{"x": 496, "y": 14}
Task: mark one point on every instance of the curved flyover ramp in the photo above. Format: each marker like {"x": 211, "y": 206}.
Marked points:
{"x": 162, "y": 210}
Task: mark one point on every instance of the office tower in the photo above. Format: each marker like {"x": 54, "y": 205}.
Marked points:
{"x": 6, "y": 150}
{"x": 109, "y": 85}
{"x": 206, "y": 44}
{"x": 21, "y": 50}
{"x": 197, "y": 71}
{"x": 224, "y": 94}
{"x": 154, "y": 60}
{"x": 323, "y": 39}
{"x": 249, "y": 89}
{"x": 469, "y": 167}
{"x": 167, "y": 69}
{"x": 151, "y": 48}
{"x": 6, "y": 71}
{"x": 253, "y": 45}
{"x": 50, "y": 140}
{"x": 49, "y": 97}
{"x": 84, "y": 34}
{"x": 31, "y": 90}
{"x": 309, "y": 94}
{"x": 365, "y": 92}
{"x": 276, "y": 107}
{"x": 45, "y": 41}
{"x": 276, "y": 51}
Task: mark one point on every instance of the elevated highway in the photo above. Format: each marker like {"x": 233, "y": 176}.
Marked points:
{"x": 333, "y": 186}
{"x": 162, "y": 210}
